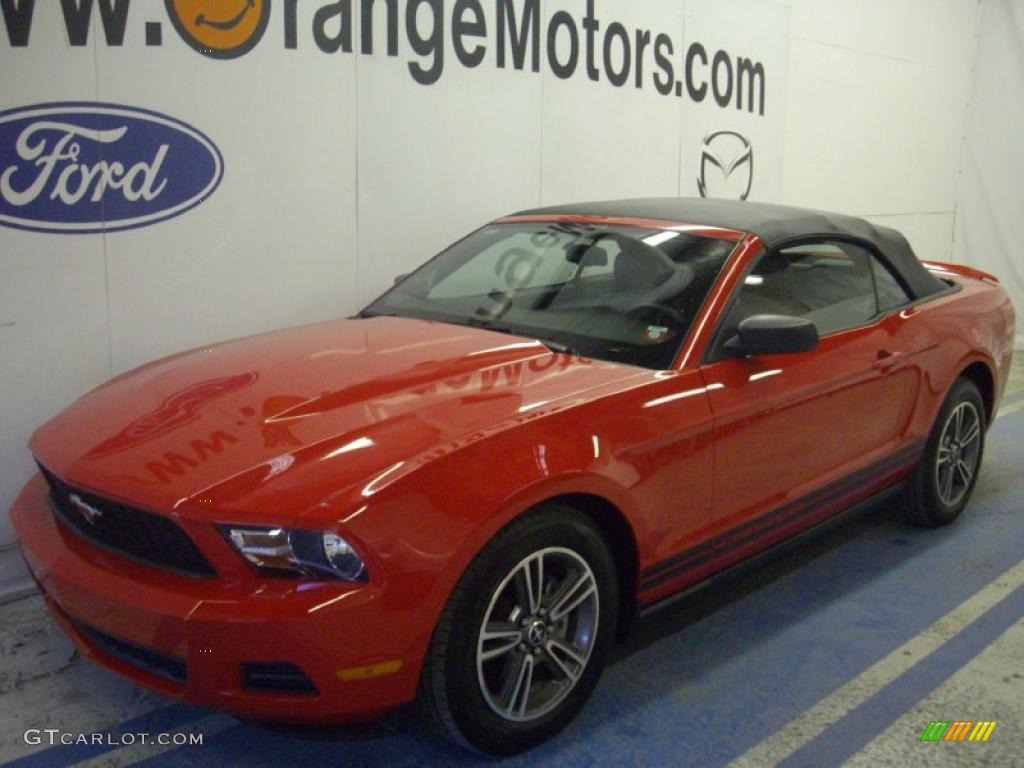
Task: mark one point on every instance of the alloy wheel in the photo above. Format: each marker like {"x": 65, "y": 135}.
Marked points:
{"x": 957, "y": 458}
{"x": 537, "y": 635}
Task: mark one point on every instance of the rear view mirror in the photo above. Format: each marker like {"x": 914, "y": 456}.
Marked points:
{"x": 773, "y": 335}
{"x": 400, "y": 278}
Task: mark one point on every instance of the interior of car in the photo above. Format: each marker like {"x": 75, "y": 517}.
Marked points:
{"x": 627, "y": 294}
{"x": 832, "y": 284}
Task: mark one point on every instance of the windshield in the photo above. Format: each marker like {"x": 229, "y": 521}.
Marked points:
{"x": 618, "y": 293}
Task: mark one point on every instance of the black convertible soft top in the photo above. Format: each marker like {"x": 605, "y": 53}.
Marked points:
{"x": 776, "y": 225}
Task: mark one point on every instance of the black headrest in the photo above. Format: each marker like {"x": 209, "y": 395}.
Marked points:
{"x": 638, "y": 266}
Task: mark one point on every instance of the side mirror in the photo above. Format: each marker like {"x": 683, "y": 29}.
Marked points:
{"x": 773, "y": 335}
{"x": 400, "y": 279}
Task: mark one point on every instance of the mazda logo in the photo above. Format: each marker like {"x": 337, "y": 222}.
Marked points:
{"x": 89, "y": 512}
{"x": 726, "y": 166}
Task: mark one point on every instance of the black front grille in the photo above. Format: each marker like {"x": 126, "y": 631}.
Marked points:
{"x": 276, "y": 677}
{"x": 139, "y": 656}
{"x": 151, "y": 539}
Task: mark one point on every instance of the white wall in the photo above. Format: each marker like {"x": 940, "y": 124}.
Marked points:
{"x": 341, "y": 171}
{"x": 989, "y": 225}
{"x": 878, "y": 93}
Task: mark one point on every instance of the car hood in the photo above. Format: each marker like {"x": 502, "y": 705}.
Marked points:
{"x": 242, "y": 423}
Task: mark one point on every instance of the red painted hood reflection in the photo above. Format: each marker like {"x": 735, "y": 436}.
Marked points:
{"x": 179, "y": 409}
{"x": 237, "y": 424}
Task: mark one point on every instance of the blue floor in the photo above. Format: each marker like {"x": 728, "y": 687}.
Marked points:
{"x": 700, "y": 683}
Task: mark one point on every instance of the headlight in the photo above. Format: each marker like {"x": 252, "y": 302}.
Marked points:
{"x": 295, "y": 552}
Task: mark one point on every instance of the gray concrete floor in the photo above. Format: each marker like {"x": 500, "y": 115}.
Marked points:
{"x": 44, "y": 683}
{"x": 990, "y": 686}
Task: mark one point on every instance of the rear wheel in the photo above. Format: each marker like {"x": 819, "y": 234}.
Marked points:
{"x": 523, "y": 639}
{"x": 943, "y": 481}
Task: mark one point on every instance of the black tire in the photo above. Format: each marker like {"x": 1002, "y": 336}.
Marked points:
{"x": 457, "y": 690}
{"x": 926, "y": 502}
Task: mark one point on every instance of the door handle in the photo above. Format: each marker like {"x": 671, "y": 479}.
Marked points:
{"x": 886, "y": 359}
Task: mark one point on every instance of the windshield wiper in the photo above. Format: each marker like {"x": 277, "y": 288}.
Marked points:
{"x": 490, "y": 325}
{"x": 368, "y": 313}
{"x": 487, "y": 325}
{"x": 557, "y": 346}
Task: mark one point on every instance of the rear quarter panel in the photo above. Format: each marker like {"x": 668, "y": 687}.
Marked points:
{"x": 945, "y": 335}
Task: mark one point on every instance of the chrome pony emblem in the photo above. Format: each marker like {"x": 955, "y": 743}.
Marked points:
{"x": 89, "y": 512}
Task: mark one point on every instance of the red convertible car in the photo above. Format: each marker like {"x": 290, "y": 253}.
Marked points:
{"x": 464, "y": 493}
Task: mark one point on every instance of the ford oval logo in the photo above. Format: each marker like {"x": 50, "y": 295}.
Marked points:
{"x": 79, "y": 167}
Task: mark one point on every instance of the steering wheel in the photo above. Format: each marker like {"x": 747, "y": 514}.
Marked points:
{"x": 638, "y": 313}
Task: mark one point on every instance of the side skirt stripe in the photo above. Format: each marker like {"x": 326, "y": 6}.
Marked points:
{"x": 765, "y": 524}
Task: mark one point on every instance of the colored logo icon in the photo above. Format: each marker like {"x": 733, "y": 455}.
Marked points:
{"x": 220, "y": 29}
{"x": 958, "y": 730}
{"x": 80, "y": 167}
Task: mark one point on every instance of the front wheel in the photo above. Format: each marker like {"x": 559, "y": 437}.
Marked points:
{"x": 523, "y": 639}
{"x": 944, "y": 479}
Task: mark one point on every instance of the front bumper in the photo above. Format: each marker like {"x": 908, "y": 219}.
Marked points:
{"x": 344, "y": 638}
